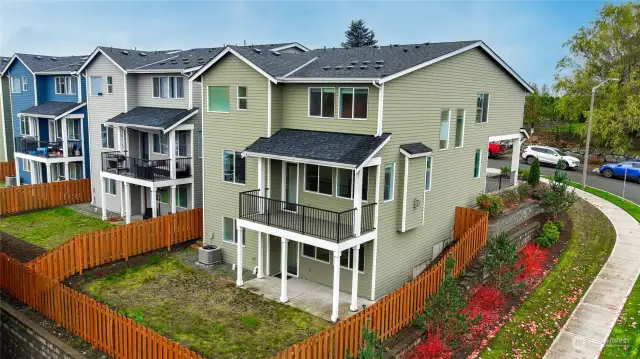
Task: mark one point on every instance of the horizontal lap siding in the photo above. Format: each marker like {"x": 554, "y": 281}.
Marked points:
{"x": 20, "y": 101}
{"x": 235, "y": 130}
{"x": 144, "y": 93}
{"x": 196, "y": 120}
{"x": 415, "y": 192}
{"x": 6, "y": 114}
{"x": 412, "y": 113}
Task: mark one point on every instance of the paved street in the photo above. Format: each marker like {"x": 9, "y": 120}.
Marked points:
{"x": 612, "y": 185}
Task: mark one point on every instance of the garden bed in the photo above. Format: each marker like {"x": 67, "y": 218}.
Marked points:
{"x": 199, "y": 308}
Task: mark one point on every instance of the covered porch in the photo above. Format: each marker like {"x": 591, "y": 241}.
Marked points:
{"x": 495, "y": 179}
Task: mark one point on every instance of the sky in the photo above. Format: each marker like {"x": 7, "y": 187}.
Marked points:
{"x": 527, "y": 35}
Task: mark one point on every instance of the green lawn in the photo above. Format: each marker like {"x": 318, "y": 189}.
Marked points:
{"x": 203, "y": 309}
{"x": 628, "y": 206}
{"x": 624, "y": 341}
{"x": 51, "y": 227}
{"x": 536, "y": 322}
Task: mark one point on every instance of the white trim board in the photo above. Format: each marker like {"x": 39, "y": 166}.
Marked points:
{"x": 293, "y": 44}
{"x": 13, "y": 58}
{"x": 97, "y": 51}
{"x": 221, "y": 55}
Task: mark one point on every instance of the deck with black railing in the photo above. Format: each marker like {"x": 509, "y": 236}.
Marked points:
{"x": 312, "y": 221}
{"x": 119, "y": 163}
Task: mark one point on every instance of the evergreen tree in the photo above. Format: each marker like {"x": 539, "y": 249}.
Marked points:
{"x": 534, "y": 173}
{"x": 359, "y": 35}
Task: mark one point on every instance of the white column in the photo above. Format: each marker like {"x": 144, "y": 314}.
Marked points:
{"x": 127, "y": 202}
{"x": 18, "y": 171}
{"x": 65, "y": 142}
{"x": 260, "y": 255}
{"x": 283, "y": 270}
{"x": 336, "y": 286}
{"x": 103, "y": 195}
{"x": 260, "y": 177}
{"x": 49, "y": 176}
{"x": 515, "y": 159}
{"x": 239, "y": 281}
{"x": 121, "y": 190}
{"x": 357, "y": 203}
{"x": 174, "y": 200}
{"x": 354, "y": 279}
{"x": 67, "y": 174}
{"x": 154, "y": 202}
{"x": 267, "y": 269}
{"x": 34, "y": 176}
{"x": 172, "y": 153}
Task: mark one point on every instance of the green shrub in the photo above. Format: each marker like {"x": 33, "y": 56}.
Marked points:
{"x": 491, "y": 203}
{"x": 372, "y": 348}
{"x": 550, "y": 231}
{"x": 558, "y": 200}
{"x": 540, "y": 191}
{"x": 510, "y": 196}
{"x": 505, "y": 169}
{"x": 542, "y": 242}
{"x": 501, "y": 257}
{"x": 560, "y": 225}
{"x": 524, "y": 189}
{"x": 534, "y": 173}
{"x": 523, "y": 174}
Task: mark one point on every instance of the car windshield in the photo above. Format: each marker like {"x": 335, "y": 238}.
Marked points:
{"x": 560, "y": 152}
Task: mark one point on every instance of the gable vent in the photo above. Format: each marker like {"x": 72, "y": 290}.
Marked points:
{"x": 326, "y": 67}
{"x": 143, "y": 54}
{"x": 39, "y": 57}
{"x": 125, "y": 52}
{"x": 257, "y": 50}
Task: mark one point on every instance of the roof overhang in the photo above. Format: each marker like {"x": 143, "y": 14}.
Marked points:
{"x": 299, "y": 160}
{"x": 295, "y": 44}
{"x": 416, "y": 155}
{"x": 13, "y": 58}
{"x": 95, "y": 53}
{"x": 80, "y": 105}
{"x": 328, "y": 80}
{"x": 375, "y": 152}
{"x": 156, "y": 71}
{"x": 127, "y": 125}
{"x": 220, "y": 55}
{"x": 180, "y": 121}
{"x": 72, "y": 73}
{"x": 54, "y": 117}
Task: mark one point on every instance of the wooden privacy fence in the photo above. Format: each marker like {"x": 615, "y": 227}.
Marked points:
{"x": 96, "y": 248}
{"x": 103, "y": 328}
{"x": 45, "y": 195}
{"x": 398, "y": 308}
{"x": 7, "y": 169}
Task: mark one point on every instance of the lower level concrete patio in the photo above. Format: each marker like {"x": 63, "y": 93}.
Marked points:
{"x": 306, "y": 295}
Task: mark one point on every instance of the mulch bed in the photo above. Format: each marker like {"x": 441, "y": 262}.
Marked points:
{"x": 19, "y": 249}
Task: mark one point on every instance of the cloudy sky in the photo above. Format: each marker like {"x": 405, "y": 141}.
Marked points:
{"x": 527, "y": 35}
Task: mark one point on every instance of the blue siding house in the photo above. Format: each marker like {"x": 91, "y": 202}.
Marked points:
{"x": 49, "y": 117}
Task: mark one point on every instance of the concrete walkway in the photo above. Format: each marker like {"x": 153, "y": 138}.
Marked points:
{"x": 587, "y": 330}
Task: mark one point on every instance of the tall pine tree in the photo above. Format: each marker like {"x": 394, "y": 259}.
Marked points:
{"x": 359, "y": 35}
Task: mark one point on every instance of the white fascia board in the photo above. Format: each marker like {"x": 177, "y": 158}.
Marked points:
{"x": 155, "y": 62}
{"x": 153, "y": 185}
{"x": 47, "y": 160}
{"x": 191, "y": 69}
{"x": 126, "y": 125}
{"x": 156, "y": 71}
{"x": 97, "y": 51}
{"x": 512, "y": 136}
{"x": 364, "y": 163}
{"x": 23, "y": 114}
{"x": 56, "y": 73}
{"x": 508, "y": 68}
{"x": 181, "y": 121}
{"x": 70, "y": 111}
{"x": 299, "y": 67}
{"x": 376, "y": 161}
{"x": 327, "y": 80}
{"x": 13, "y": 58}
{"x": 224, "y": 52}
{"x": 294, "y": 44}
{"x": 299, "y": 160}
{"x": 407, "y": 154}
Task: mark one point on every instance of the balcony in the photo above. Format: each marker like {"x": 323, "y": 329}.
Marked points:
{"x": 312, "y": 221}
{"x": 119, "y": 163}
{"x": 31, "y": 146}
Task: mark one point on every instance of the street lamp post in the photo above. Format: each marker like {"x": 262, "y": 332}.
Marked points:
{"x": 586, "y": 152}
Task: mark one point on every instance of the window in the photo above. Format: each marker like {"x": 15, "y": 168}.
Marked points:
{"x": 25, "y": 126}
{"x": 159, "y": 87}
{"x": 233, "y": 167}
{"x": 73, "y": 128}
{"x": 160, "y": 143}
{"x": 353, "y": 103}
{"x": 58, "y": 128}
{"x": 65, "y": 85}
{"x": 460, "y": 127}
{"x": 242, "y": 97}
{"x": 346, "y": 258}
{"x": 476, "y": 167}
{"x": 107, "y": 136}
{"x": 182, "y": 196}
{"x": 200, "y": 144}
{"x": 111, "y": 187}
{"x": 96, "y": 85}
{"x": 345, "y": 180}
{"x": 316, "y": 253}
{"x": 163, "y": 196}
{"x": 16, "y": 85}
{"x": 365, "y": 183}
{"x": 229, "y": 233}
{"x": 427, "y": 177}
{"x": 218, "y": 99}
{"x": 482, "y": 109}
{"x": 319, "y": 179}
{"x": 73, "y": 171}
{"x": 322, "y": 101}
{"x": 109, "y": 84}
{"x": 444, "y": 129}
{"x": 181, "y": 143}
{"x": 176, "y": 87}
{"x": 26, "y": 165}
{"x": 25, "y": 88}
{"x": 389, "y": 179}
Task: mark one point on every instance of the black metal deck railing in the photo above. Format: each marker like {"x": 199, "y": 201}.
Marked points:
{"x": 304, "y": 219}
{"x": 498, "y": 181}
{"x": 151, "y": 170}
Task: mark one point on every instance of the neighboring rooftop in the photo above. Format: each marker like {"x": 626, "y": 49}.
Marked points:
{"x": 47, "y": 63}
{"x": 4, "y": 61}
{"x": 52, "y": 109}
{"x": 156, "y": 117}
{"x": 331, "y": 147}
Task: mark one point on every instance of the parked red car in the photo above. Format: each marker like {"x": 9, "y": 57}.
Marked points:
{"x": 496, "y": 150}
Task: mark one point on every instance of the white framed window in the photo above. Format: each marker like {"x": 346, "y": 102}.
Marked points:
{"x": 182, "y": 139}
{"x": 65, "y": 85}
{"x": 460, "y": 119}
{"x": 445, "y": 115}
{"x": 73, "y": 128}
{"x": 319, "y": 254}
{"x": 389, "y": 181}
{"x": 25, "y": 87}
{"x": 322, "y": 102}
{"x": 233, "y": 167}
{"x": 111, "y": 187}
{"x": 354, "y": 103}
{"x": 160, "y": 143}
{"x": 229, "y": 232}
{"x": 477, "y": 163}
{"x": 159, "y": 87}
{"x": 482, "y": 108}
{"x": 318, "y": 179}
{"x": 106, "y": 133}
{"x": 26, "y": 165}
{"x": 218, "y": 99}
{"x": 344, "y": 183}
{"x": 95, "y": 84}
{"x": 176, "y": 87}
{"x": 109, "y": 84}
{"x": 25, "y": 126}
{"x": 346, "y": 259}
{"x": 242, "y": 98}
{"x": 16, "y": 84}
{"x": 182, "y": 195}
{"x": 73, "y": 171}
{"x": 428, "y": 172}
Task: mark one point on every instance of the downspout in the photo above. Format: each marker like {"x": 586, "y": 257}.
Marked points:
{"x": 380, "y": 106}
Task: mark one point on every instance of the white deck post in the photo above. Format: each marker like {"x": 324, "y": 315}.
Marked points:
{"x": 261, "y": 192}
{"x": 121, "y": 184}
{"x": 174, "y": 200}
{"x": 154, "y": 202}
{"x": 260, "y": 254}
{"x": 34, "y": 176}
{"x": 67, "y": 174}
{"x": 283, "y": 270}
{"x": 239, "y": 281}
{"x": 354, "y": 279}
{"x": 127, "y": 203}
{"x": 515, "y": 159}
{"x": 18, "y": 170}
{"x": 336, "y": 286}
{"x": 172, "y": 153}
{"x": 49, "y": 177}
{"x": 103, "y": 195}
{"x": 65, "y": 141}
{"x": 357, "y": 203}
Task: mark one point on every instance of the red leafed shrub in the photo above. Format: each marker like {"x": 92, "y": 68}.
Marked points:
{"x": 485, "y": 299}
{"x": 434, "y": 347}
{"x": 532, "y": 259}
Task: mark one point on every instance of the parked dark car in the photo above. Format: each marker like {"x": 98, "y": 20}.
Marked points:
{"x": 631, "y": 168}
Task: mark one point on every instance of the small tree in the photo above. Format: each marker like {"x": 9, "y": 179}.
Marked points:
{"x": 359, "y": 35}
{"x": 534, "y": 173}
{"x": 558, "y": 200}
{"x": 500, "y": 259}
{"x": 372, "y": 347}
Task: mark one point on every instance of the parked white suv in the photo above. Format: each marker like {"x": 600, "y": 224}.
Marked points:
{"x": 551, "y": 156}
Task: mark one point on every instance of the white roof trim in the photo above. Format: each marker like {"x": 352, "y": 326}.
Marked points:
{"x": 364, "y": 164}
{"x": 181, "y": 121}
{"x": 80, "y": 105}
{"x": 118, "y": 124}
{"x": 299, "y": 67}
{"x": 56, "y": 73}
{"x": 26, "y": 114}
{"x": 295, "y": 44}
{"x": 299, "y": 160}
{"x": 327, "y": 80}
{"x": 94, "y": 54}
{"x": 417, "y": 155}
{"x": 155, "y": 62}
{"x": 220, "y": 55}
{"x": 15, "y": 56}
{"x": 156, "y": 71}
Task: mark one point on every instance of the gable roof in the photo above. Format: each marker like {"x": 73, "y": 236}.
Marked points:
{"x": 46, "y": 64}
{"x": 153, "y": 117}
{"x": 52, "y": 109}
{"x": 416, "y": 149}
{"x": 4, "y": 61}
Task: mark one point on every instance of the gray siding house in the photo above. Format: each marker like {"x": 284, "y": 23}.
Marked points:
{"x": 6, "y": 128}
{"x": 344, "y": 166}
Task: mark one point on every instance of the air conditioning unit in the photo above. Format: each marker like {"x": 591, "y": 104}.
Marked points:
{"x": 11, "y": 181}
{"x": 209, "y": 255}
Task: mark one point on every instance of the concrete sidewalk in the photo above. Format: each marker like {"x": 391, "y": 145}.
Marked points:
{"x": 587, "y": 330}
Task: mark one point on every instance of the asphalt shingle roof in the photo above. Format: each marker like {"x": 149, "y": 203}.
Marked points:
{"x": 4, "y": 61}
{"x": 152, "y": 116}
{"x": 51, "y": 108}
{"x": 335, "y": 147}
{"x": 274, "y": 65}
{"x": 416, "y": 148}
{"x": 46, "y": 63}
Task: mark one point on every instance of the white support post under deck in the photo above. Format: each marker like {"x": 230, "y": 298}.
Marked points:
{"x": 174, "y": 202}
{"x": 127, "y": 202}
{"x": 65, "y": 142}
{"x": 283, "y": 270}
{"x": 515, "y": 159}
{"x": 49, "y": 176}
{"x": 357, "y": 203}
{"x": 154, "y": 203}
{"x": 103, "y": 195}
{"x": 239, "y": 281}
{"x": 172, "y": 153}
{"x": 261, "y": 192}
{"x": 354, "y": 280}
{"x": 336, "y": 286}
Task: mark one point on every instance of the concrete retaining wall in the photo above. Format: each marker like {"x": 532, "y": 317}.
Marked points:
{"x": 512, "y": 219}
